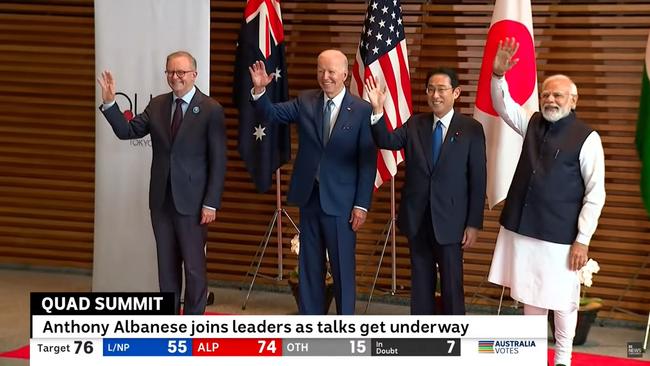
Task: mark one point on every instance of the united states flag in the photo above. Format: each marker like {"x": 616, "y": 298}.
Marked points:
{"x": 382, "y": 54}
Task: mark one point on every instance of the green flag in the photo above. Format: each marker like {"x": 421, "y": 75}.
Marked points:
{"x": 643, "y": 131}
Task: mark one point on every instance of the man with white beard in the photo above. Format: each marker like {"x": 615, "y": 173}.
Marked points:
{"x": 553, "y": 204}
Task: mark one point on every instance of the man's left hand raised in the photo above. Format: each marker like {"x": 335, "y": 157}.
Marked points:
{"x": 376, "y": 95}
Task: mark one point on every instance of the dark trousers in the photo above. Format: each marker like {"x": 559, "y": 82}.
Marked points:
{"x": 425, "y": 253}
{"x": 180, "y": 243}
{"x": 320, "y": 232}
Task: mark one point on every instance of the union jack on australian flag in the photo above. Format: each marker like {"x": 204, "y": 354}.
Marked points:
{"x": 382, "y": 54}
{"x": 264, "y": 147}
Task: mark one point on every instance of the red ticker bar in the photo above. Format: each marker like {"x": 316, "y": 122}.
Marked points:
{"x": 237, "y": 347}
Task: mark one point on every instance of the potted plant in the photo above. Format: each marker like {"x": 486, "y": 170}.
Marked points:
{"x": 588, "y": 306}
{"x": 294, "y": 277}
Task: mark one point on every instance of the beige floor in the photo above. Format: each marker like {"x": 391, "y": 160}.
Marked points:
{"x": 16, "y": 284}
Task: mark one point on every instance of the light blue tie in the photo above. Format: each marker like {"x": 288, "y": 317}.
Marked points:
{"x": 436, "y": 143}
{"x": 327, "y": 116}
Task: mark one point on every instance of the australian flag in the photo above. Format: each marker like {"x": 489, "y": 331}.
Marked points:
{"x": 263, "y": 146}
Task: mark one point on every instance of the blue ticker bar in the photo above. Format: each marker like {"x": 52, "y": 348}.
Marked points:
{"x": 147, "y": 347}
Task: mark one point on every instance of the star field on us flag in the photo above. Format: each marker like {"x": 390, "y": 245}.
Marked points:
{"x": 382, "y": 30}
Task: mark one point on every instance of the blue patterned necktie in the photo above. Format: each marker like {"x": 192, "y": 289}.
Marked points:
{"x": 327, "y": 116}
{"x": 436, "y": 143}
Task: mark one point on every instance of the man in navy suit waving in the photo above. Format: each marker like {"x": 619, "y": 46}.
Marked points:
{"x": 441, "y": 208}
{"x": 332, "y": 179}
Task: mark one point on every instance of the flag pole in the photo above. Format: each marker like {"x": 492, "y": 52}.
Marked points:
{"x": 392, "y": 236}
{"x": 388, "y": 63}
{"x": 278, "y": 208}
{"x": 392, "y": 233}
{"x": 276, "y": 221}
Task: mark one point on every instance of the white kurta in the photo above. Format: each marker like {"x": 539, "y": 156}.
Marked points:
{"x": 537, "y": 271}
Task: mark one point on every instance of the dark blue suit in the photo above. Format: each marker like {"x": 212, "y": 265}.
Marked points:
{"x": 438, "y": 203}
{"x": 347, "y": 173}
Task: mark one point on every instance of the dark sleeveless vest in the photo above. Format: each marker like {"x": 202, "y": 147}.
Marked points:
{"x": 545, "y": 197}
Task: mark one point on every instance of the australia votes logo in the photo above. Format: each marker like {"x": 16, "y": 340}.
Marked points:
{"x": 504, "y": 346}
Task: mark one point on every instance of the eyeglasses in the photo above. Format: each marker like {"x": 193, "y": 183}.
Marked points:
{"x": 556, "y": 95}
{"x": 179, "y": 73}
{"x": 432, "y": 89}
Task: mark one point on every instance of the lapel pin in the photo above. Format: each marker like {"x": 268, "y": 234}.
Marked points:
{"x": 349, "y": 109}
{"x": 455, "y": 136}
{"x": 196, "y": 110}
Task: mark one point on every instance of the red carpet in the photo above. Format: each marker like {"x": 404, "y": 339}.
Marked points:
{"x": 586, "y": 359}
{"x": 22, "y": 352}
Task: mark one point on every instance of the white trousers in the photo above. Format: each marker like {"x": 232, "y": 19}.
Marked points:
{"x": 565, "y": 329}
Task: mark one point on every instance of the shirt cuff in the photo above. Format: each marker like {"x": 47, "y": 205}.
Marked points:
{"x": 209, "y": 208}
{"x": 105, "y": 106}
{"x": 583, "y": 239}
{"x": 375, "y": 118}
{"x": 257, "y": 96}
{"x": 361, "y": 208}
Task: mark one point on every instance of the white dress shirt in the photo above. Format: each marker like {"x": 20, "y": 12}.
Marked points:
{"x": 336, "y": 107}
{"x": 446, "y": 120}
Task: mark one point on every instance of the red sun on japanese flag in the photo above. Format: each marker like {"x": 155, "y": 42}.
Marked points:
{"x": 521, "y": 78}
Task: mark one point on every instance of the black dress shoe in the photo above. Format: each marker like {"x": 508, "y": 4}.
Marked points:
{"x": 210, "y": 298}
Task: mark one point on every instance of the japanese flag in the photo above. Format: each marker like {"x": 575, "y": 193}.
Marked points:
{"x": 513, "y": 19}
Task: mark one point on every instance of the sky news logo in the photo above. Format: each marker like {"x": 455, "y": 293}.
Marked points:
{"x": 506, "y": 347}
{"x": 634, "y": 349}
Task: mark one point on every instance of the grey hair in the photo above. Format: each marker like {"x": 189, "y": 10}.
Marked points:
{"x": 573, "y": 87}
{"x": 182, "y": 54}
